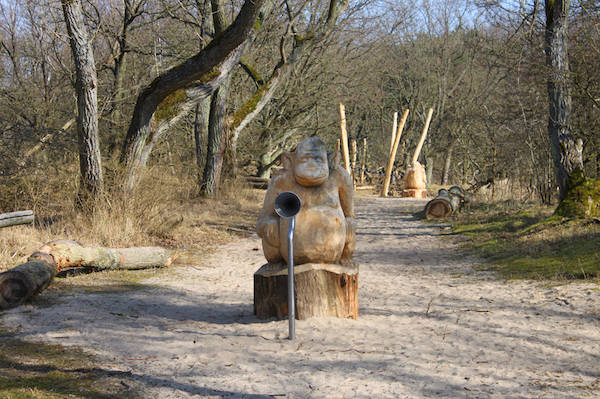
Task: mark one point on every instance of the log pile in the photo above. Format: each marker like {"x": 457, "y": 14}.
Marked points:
{"x": 28, "y": 279}
{"x": 445, "y": 204}
{"x": 15, "y": 218}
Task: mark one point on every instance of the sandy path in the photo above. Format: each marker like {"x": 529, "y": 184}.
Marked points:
{"x": 428, "y": 327}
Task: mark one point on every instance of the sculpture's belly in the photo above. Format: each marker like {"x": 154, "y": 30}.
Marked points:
{"x": 320, "y": 235}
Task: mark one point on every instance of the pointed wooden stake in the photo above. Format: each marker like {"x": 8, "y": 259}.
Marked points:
{"x": 390, "y": 165}
{"x": 345, "y": 152}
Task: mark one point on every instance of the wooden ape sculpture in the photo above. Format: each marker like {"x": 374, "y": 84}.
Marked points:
{"x": 325, "y": 227}
{"x": 324, "y": 240}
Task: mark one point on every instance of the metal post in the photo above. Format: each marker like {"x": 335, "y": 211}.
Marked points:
{"x": 287, "y": 205}
{"x": 291, "y": 305}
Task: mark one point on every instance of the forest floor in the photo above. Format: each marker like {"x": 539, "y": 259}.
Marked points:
{"x": 431, "y": 323}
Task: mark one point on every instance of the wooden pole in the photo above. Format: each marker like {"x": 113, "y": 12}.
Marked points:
{"x": 353, "y": 157}
{"x": 394, "y": 128}
{"x": 339, "y": 144}
{"x": 363, "y": 163}
{"x": 423, "y": 135}
{"x": 390, "y": 165}
{"x": 344, "y": 139}
{"x": 14, "y": 218}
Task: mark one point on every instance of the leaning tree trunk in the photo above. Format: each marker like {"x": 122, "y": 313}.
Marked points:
{"x": 216, "y": 141}
{"x": 28, "y": 279}
{"x": 175, "y": 92}
{"x": 567, "y": 152}
{"x": 87, "y": 104}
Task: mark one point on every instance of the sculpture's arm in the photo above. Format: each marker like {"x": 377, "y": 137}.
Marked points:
{"x": 267, "y": 225}
{"x": 346, "y": 191}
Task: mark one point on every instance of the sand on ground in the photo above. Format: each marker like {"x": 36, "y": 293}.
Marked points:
{"x": 429, "y": 326}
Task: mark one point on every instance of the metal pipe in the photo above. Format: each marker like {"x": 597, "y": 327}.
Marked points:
{"x": 287, "y": 205}
{"x": 291, "y": 296}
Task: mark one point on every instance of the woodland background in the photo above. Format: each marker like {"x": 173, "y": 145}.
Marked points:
{"x": 479, "y": 64}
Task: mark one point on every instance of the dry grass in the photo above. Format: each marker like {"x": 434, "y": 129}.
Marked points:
{"x": 165, "y": 210}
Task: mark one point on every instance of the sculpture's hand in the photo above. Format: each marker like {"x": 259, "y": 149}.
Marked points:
{"x": 350, "y": 244}
{"x": 269, "y": 231}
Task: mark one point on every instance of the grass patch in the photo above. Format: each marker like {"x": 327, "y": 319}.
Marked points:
{"x": 42, "y": 371}
{"x": 527, "y": 242}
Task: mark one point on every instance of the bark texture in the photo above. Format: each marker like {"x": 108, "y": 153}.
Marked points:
{"x": 201, "y": 130}
{"x": 321, "y": 290}
{"x": 567, "y": 152}
{"x": 87, "y": 103}
{"x": 216, "y": 141}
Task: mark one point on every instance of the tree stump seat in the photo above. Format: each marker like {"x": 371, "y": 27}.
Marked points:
{"x": 320, "y": 290}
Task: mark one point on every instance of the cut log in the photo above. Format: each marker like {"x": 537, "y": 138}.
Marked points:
{"x": 444, "y": 205}
{"x": 257, "y": 182}
{"x": 320, "y": 290}
{"x": 15, "y": 218}
{"x": 26, "y": 280}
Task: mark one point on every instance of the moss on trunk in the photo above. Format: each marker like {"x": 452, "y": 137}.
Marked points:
{"x": 582, "y": 199}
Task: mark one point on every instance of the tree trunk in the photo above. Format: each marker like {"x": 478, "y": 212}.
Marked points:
{"x": 447, "y": 164}
{"x": 428, "y": 167}
{"x": 266, "y": 162}
{"x": 29, "y": 279}
{"x": 15, "y": 218}
{"x": 87, "y": 104}
{"x": 363, "y": 163}
{"x": 567, "y": 152}
{"x": 200, "y": 130}
{"x": 353, "y": 158}
{"x": 321, "y": 290}
{"x": 216, "y": 141}
{"x": 169, "y": 93}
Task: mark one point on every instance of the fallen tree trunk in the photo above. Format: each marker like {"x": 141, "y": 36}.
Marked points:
{"x": 15, "y": 218}
{"x": 445, "y": 204}
{"x": 28, "y": 279}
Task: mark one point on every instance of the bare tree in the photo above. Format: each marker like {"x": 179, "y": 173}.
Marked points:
{"x": 567, "y": 152}
{"x": 175, "y": 92}
{"x": 217, "y": 125}
{"x": 87, "y": 103}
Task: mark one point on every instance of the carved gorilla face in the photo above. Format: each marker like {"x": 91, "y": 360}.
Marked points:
{"x": 311, "y": 167}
